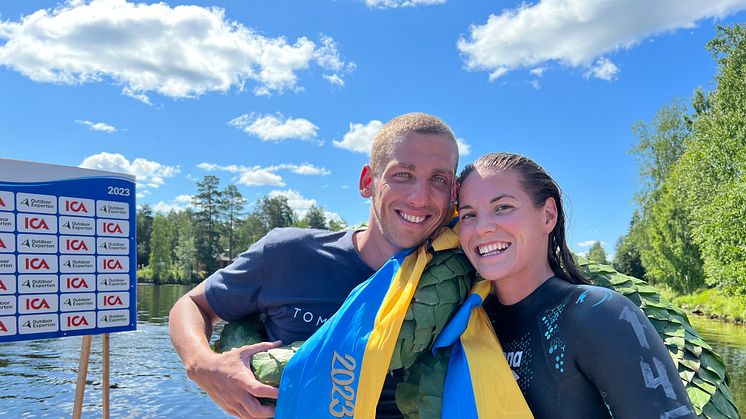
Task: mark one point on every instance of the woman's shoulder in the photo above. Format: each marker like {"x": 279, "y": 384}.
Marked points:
{"x": 593, "y": 305}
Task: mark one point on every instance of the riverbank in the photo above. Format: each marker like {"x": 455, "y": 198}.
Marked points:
{"x": 710, "y": 303}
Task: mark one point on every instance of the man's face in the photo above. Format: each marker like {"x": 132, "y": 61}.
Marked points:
{"x": 411, "y": 194}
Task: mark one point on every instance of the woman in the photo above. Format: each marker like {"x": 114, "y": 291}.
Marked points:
{"x": 577, "y": 351}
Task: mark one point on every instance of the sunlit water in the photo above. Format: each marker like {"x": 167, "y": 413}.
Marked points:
{"x": 37, "y": 378}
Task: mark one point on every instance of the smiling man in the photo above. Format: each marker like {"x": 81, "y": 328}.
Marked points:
{"x": 298, "y": 277}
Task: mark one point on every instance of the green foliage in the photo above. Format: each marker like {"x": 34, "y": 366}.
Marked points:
{"x": 144, "y": 230}
{"x": 315, "y": 218}
{"x": 232, "y": 209}
{"x": 185, "y": 251}
{"x": 160, "y": 243}
{"x": 597, "y": 253}
{"x": 715, "y": 303}
{"x": 274, "y": 212}
{"x": 627, "y": 256}
{"x": 207, "y": 204}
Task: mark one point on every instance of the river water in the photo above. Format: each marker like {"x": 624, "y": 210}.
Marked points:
{"x": 37, "y": 378}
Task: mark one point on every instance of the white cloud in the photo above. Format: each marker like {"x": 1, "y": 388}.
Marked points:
{"x": 577, "y": 33}
{"x": 147, "y": 173}
{"x": 334, "y": 79}
{"x": 603, "y": 69}
{"x": 464, "y": 149}
{"x": 535, "y": 84}
{"x": 177, "y": 204}
{"x": 589, "y": 243}
{"x": 359, "y": 138}
{"x": 97, "y": 126}
{"x": 381, "y": 4}
{"x": 179, "y": 52}
{"x": 259, "y": 176}
{"x": 300, "y": 205}
{"x": 538, "y": 71}
{"x": 275, "y": 127}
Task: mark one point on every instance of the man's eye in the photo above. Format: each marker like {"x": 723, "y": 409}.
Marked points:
{"x": 440, "y": 179}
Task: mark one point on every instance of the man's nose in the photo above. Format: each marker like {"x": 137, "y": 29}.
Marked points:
{"x": 419, "y": 194}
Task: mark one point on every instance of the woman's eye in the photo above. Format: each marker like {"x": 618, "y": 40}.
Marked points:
{"x": 467, "y": 216}
{"x": 503, "y": 208}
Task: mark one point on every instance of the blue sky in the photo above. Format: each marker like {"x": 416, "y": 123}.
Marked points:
{"x": 282, "y": 97}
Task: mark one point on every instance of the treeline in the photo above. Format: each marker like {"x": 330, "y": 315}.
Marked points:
{"x": 689, "y": 229}
{"x": 185, "y": 246}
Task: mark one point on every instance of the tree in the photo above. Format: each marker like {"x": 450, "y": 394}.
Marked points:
{"x": 597, "y": 254}
{"x": 627, "y": 256}
{"x": 275, "y": 212}
{"x": 160, "y": 244}
{"x": 185, "y": 252}
{"x": 232, "y": 207}
{"x": 207, "y": 220}
{"x": 315, "y": 218}
{"x": 144, "y": 228}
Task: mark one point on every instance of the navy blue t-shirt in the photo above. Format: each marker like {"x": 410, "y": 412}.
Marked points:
{"x": 298, "y": 278}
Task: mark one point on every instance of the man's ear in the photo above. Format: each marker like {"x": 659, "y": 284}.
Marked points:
{"x": 550, "y": 214}
{"x": 366, "y": 182}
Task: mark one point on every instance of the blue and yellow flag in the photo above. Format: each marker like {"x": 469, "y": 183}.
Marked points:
{"x": 339, "y": 371}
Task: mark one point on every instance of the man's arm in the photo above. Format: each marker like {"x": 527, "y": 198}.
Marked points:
{"x": 226, "y": 377}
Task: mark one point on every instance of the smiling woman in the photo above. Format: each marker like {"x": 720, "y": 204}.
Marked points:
{"x": 576, "y": 350}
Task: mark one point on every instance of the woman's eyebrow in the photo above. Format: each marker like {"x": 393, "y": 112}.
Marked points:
{"x": 501, "y": 196}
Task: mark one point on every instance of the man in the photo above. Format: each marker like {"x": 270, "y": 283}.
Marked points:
{"x": 299, "y": 278}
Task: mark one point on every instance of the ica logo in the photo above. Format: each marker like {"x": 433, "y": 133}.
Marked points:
{"x": 36, "y": 264}
{"x": 2, "y": 245}
{"x": 112, "y": 300}
{"x": 2, "y": 286}
{"x": 112, "y": 264}
{"x": 75, "y": 245}
{"x": 76, "y": 321}
{"x": 37, "y": 304}
{"x": 112, "y": 228}
{"x": 76, "y": 283}
{"x": 76, "y": 206}
{"x": 2, "y": 203}
{"x": 35, "y": 223}
{"x": 3, "y": 328}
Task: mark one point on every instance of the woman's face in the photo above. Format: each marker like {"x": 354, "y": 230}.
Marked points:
{"x": 502, "y": 233}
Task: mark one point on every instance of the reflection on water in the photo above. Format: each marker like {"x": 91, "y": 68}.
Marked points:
{"x": 729, "y": 341}
{"x": 37, "y": 378}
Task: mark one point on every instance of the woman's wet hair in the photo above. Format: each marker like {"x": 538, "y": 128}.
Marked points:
{"x": 540, "y": 186}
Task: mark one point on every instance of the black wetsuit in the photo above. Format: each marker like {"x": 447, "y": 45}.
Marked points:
{"x": 587, "y": 352}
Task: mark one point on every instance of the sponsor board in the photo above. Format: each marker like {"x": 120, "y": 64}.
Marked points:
{"x": 77, "y": 282}
{"x": 38, "y": 284}
{"x": 113, "y": 300}
{"x": 8, "y": 304}
{"x": 75, "y": 264}
{"x": 7, "y": 326}
{"x": 78, "y": 302}
{"x": 77, "y": 245}
{"x": 7, "y": 201}
{"x": 113, "y": 318}
{"x": 77, "y": 225}
{"x": 113, "y": 264}
{"x": 29, "y": 202}
{"x": 36, "y": 223}
{"x": 78, "y": 321}
{"x": 115, "y": 228}
{"x": 111, "y": 209}
{"x": 7, "y": 284}
{"x": 112, "y": 246}
{"x": 39, "y": 323}
{"x": 77, "y": 206}
{"x": 7, "y": 221}
{"x": 113, "y": 282}
{"x": 7, "y": 263}
{"x": 67, "y": 251}
{"x": 7, "y": 243}
{"x": 37, "y": 243}
{"x": 42, "y": 303}
{"x": 37, "y": 264}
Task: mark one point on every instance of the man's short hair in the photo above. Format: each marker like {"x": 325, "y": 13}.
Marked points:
{"x": 394, "y": 131}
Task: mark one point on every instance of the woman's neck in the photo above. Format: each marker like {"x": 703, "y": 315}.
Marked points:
{"x": 513, "y": 289}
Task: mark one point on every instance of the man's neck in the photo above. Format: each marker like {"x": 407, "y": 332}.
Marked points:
{"x": 373, "y": 249}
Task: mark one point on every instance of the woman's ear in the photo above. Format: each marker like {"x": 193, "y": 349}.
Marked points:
{"x": 550, "y": 214}
{"x": 366, "y": 182}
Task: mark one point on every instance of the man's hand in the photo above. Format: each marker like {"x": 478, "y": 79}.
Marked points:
{"x": 228, "y": 380}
